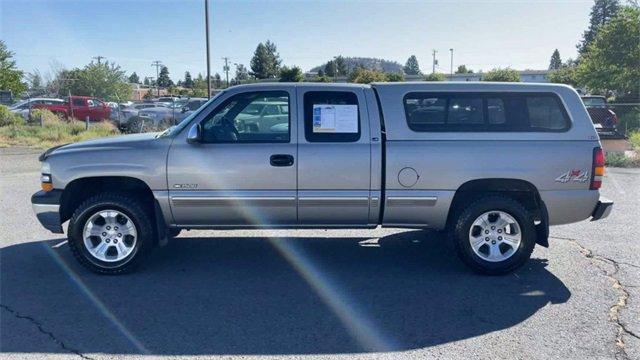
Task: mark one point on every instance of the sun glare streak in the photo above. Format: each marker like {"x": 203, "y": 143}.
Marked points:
{"x": 96, "y": 301}
{"x": 357, "y": 323}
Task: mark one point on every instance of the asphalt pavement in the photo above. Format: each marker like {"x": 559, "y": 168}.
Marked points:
{"x": 384, "y": 293}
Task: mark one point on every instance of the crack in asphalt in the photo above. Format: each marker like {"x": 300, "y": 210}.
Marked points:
{"x": 623, "y": 295}
{"x": 41, "y": 329}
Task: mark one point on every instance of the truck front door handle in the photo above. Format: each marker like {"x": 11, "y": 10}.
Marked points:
{"x": 281, "y": 160}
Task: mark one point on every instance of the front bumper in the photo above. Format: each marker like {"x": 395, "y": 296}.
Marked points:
{"x": 603, "y": 209}
{"x": 46, "y": 205}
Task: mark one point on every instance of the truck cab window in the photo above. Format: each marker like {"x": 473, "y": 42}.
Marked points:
{"x": 242, "y": 119}
{"x": 331, "y": 116}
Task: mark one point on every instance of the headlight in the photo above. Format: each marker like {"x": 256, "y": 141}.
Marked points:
{"x": 45, "y": 177}
{"x": 45, "y": 168}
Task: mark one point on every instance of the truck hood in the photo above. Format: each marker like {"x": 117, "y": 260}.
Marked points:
{"x": 103, "y": 144}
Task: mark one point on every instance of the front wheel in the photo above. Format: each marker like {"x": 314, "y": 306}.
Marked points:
{"x": 494, "y": 235}
{"x": 110, "y": 233}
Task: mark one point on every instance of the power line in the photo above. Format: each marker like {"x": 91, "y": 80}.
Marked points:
{"x": 157, "y": 64}
{"x": 435, "y": 62}
{"x": 99, "y": 58}
{"x": 226, "y": 68}
{"x": 206, "y": 23}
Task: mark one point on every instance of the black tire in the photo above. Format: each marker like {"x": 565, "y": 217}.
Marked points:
{"x": 129, "y": 206}
{"x": 461, "y": 234}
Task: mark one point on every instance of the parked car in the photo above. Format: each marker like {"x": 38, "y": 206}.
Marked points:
{"x": 131, "y": 111}
{"x": 191, "y": 106}
{"x": 167, "y": 100}
{"x": 493, "y": 164}
{"x": 23, "y": 107}
{"x": 170, "y": 113}
{"x": 603, "y": 118}
{"x": 79, "y": 107}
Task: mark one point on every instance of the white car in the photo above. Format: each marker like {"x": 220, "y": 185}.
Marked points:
{"x": 22, "y": 107}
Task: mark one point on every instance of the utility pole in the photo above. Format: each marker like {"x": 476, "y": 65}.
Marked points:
{"x": 157, "y": 64}
{"x": 99, "y": 58}
{"x": 435, "y": 62}
{"x": 451, "y": 69}
{"x": 206, "y": 24}
{"x": 226, "y": 68}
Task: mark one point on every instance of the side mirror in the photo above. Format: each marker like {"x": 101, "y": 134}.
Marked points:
{"x": 194, "y": 135}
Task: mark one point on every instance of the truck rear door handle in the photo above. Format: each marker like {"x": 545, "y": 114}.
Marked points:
{"x": 281, "y": 160}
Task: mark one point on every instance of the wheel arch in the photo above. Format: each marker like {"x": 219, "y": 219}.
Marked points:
{"x": 81, "y": 189}
{"x": 520, "y": 190}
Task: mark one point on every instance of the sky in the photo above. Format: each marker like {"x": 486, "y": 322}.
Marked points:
{"x": 45, "y": 35}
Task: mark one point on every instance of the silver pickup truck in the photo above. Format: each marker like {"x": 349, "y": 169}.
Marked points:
{"x": 493, "y": 164}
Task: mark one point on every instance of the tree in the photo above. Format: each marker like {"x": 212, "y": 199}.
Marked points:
{"x": 394, "y": 77}
{"x": 242, "y": 74}
{"x": 217, "y": 81}
{"x": 104, "y": 81}
{"x": 188, "y": 81}
{"x": 134, "y": 79}
{"x": 504, "y": 75}
{"x": 556, "y": 61}
{"x": 366, "y": 76}
{"x": 411, "y": 67}
{"x": 34, "y": 80}
{"x": 601, "y": 12}
{"x": 10, "y": 76}
{"x": 435, "y": 77}
{"x": 164, "y": 81}
{"x": 341, "y": 66}
{"x": 566, "y": 74}
{"x": 330, "y": 68}
{"x": 612, "y": 61}
{"x": 266, "y": 61}
{"x": 147, "y": 82}
{"x": 293, "y": 74}
{"x": 462, "y": 69}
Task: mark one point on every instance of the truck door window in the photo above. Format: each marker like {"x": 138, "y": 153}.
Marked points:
{"x": 78, "y": 102}
{"x": 345, "y": 111}
{"x": 241, "y": 119}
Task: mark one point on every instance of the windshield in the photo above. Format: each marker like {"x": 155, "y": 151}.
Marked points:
{"x": 19, "y": 104}
{"x": 177, "y": 128}
{"x": 594, "y": 102}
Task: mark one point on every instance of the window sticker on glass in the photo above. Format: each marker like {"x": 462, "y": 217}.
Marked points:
{"x": 335, "y": 118}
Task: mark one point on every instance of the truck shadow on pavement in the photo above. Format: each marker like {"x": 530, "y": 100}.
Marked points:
{"x": 245, "y": 296}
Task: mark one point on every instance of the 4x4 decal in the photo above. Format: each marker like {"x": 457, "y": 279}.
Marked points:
{"x": 576, "y": 175}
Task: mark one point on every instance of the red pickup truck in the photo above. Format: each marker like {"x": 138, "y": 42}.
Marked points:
{"x": 79, "y": 107}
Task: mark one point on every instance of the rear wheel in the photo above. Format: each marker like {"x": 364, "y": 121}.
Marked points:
{"x": 110, "y": 233}
{"x": 494, "y": 235}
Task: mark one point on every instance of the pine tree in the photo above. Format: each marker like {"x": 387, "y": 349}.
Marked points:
{"x": 134, "y": 78}
{"x": 411, "y": 67}
{"x": 188, "y": 81}
{"x": 163, "y": 79}
{"x": 601, "y": 12}
{"x": 556, "y": 62}
{"x": 266, "y": 61}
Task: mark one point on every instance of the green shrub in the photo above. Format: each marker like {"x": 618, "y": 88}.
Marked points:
{"x": 8, "y": 118}
{"x": 39, "y": 116}
{"x": 435, "y": 77}
{"x": 54, "y": 132}
{"x": 634, "y": 139}
{"x": 620, "y": 160}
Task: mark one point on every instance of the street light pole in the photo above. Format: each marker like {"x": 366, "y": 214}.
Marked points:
{"x": 451, "y": 69}
{"x": 206, "y": 24}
